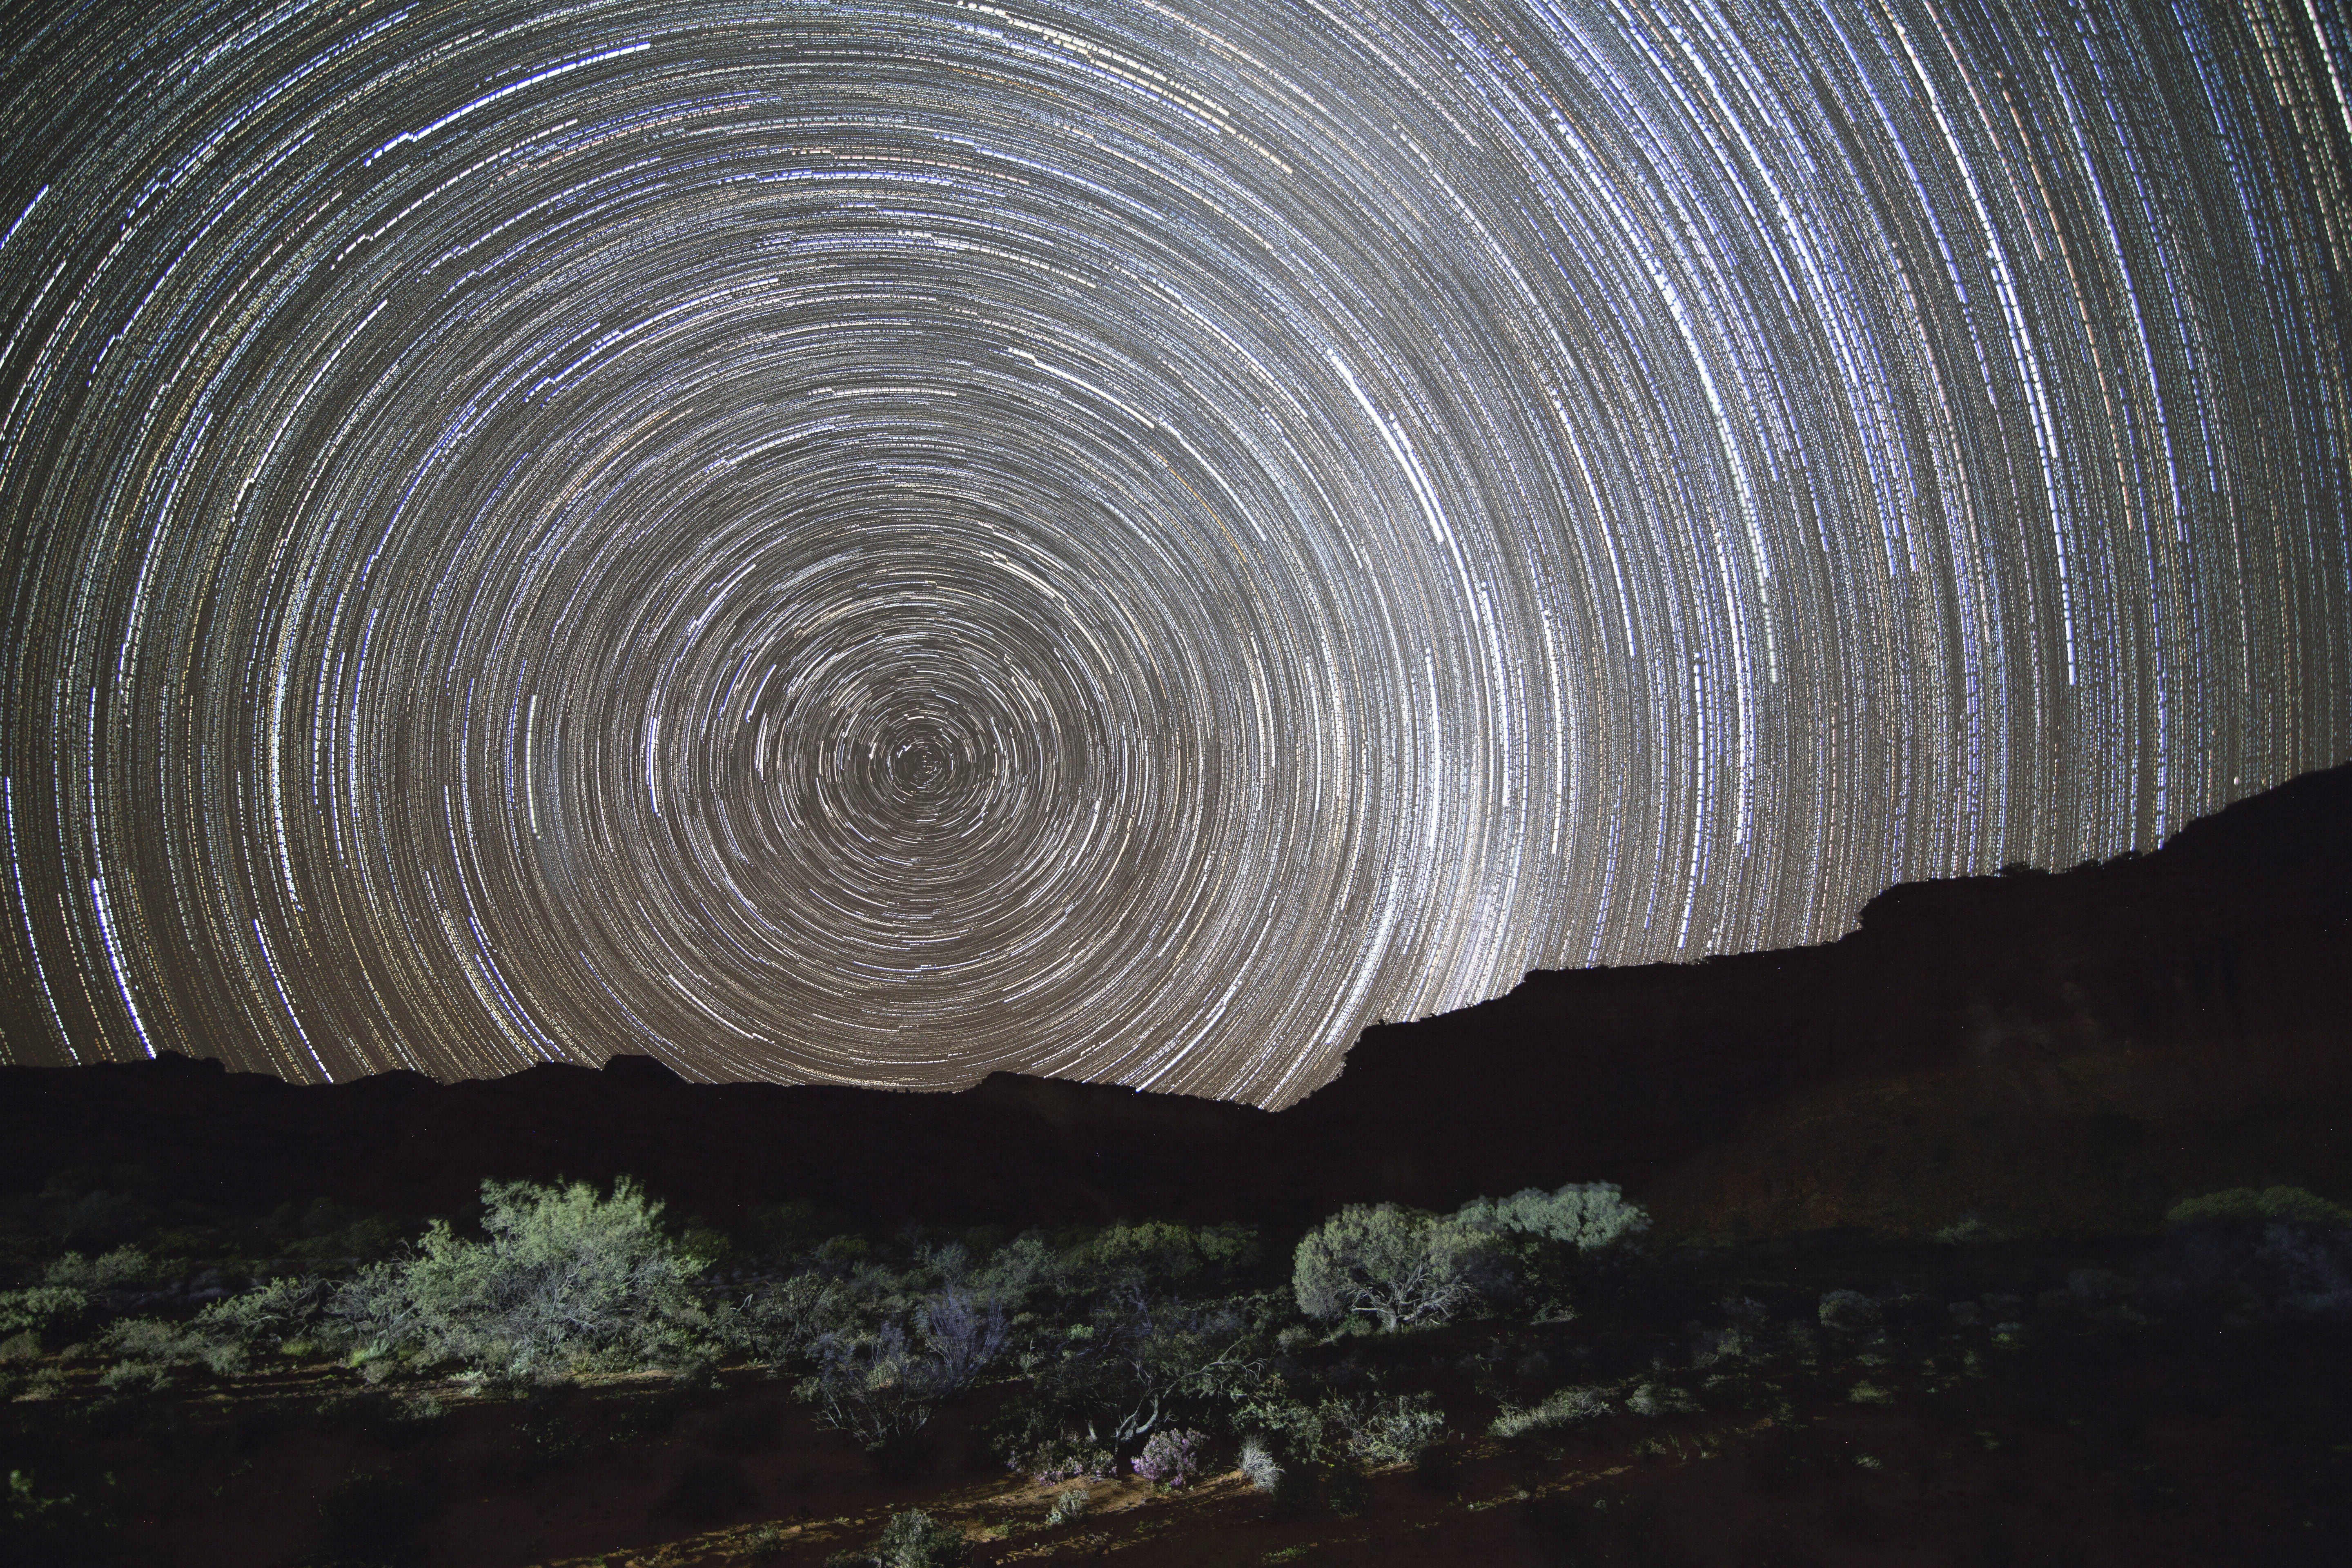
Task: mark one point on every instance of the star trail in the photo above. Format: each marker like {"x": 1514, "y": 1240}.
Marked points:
{"x": 879, "y": 542}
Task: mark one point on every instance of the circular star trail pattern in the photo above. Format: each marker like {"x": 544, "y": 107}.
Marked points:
{"x": 881, "y": 543}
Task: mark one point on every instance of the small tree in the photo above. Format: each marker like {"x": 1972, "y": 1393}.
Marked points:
{"x": 1398, "y": 1267}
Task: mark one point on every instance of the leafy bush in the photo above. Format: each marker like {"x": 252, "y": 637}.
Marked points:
{"x": 1070, "y": 1505}
{"x": 1159, "y": 1255}
{"x": 2247, "y": 1204}
{"x": 1586, "y": 1216}
{"x": 1658, "y": 1399}
{"x": 1564, "y": 1408}
{"x": 1048, "y": 1445}
{"x": 125, "y": 1268}
{"x": 268, "y": 1315}
{"x": 565, "y": 1277}
{"x": 1391, "y": 1431}
{"x": 780, "y": 1322}
{"x": 1398, "y": 1267}
{"x": 1847, "y": 1311}
{"x": 914, "y": 1539}
{"x": 48, "y": 1313}
{"x": 150, "y": 1350}
{"x": 2277, "y": 1255}
{"x": 1171, "y": 1458}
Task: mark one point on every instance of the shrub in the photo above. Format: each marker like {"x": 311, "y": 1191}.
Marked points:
{"x": 1173, "y": 1458}
{"x": 914, "y": 1539}
{"x": 125, "y": 1268}
{"x": 2247, "y": 1204}
{"x": 1070, "y": 1505}
{"x": 2227, "y": 1257}
{"x": 565, "y": 1277}
{"x": 877, "y": 1389}
{"x": 963, "y": 1335}
{"x": 1586, "y": 1216}
{"x": 778, "y": 1322}
{"x": 1565, "y": 1408}
{"x": 151, "y": 1348}
{"x": 44, "y": 1312}
{"x": 1657, "y": 1399}
{"x": 1158, "y": 1255}
{"x": 1299, "y": 1426}
{"x": 1397, "y": 1267}
{"x": 1847, "y": 1311}
{"x": 1392, "y": 1431}
{"x": 1259, "y": 1466}
{"x": 269, "y": 1314}
{"x": 1142, "y": 1361}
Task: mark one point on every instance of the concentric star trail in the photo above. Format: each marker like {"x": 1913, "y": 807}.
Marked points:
{"x": 881, "y": 543}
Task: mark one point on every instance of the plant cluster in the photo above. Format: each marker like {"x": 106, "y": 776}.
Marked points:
{"x": 1134, "y": 1347}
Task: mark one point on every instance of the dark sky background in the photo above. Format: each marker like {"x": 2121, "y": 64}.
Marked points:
{"x": 877, "y": 543}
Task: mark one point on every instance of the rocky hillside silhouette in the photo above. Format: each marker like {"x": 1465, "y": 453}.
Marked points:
{"x": 2056, "y": 1052}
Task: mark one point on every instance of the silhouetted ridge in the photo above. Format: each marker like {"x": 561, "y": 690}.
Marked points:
{"x": 2073, "y": 1048}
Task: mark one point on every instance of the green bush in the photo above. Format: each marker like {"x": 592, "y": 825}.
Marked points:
{"x": 1158, "y": 1255}
{"x": 1658, "y": 1399}
{"x": 1392, "y": 1431}
{"x": 565, "y": 1279}
{"x": 2267, "y": 1204}
{"x": 1397, "y": 1267}
{"x": 125, "y": 1268}
{"x": 1847, "y": 1311}
{"x": 1565, "y": 1408}
{"x": 1586, "y": 1216}
{"x": 150, "y": 1350}
{"x": 48, "y": 1313}
{"x": 267, "y": 1316}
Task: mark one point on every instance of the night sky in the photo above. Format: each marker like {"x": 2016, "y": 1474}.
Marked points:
{"x": 876, "y": 544}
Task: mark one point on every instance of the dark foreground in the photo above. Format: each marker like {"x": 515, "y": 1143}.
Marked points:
{"x": 1990, "y": 1404}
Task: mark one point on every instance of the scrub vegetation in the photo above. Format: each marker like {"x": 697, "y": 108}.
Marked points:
{"x": 1469, "y": 1357}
